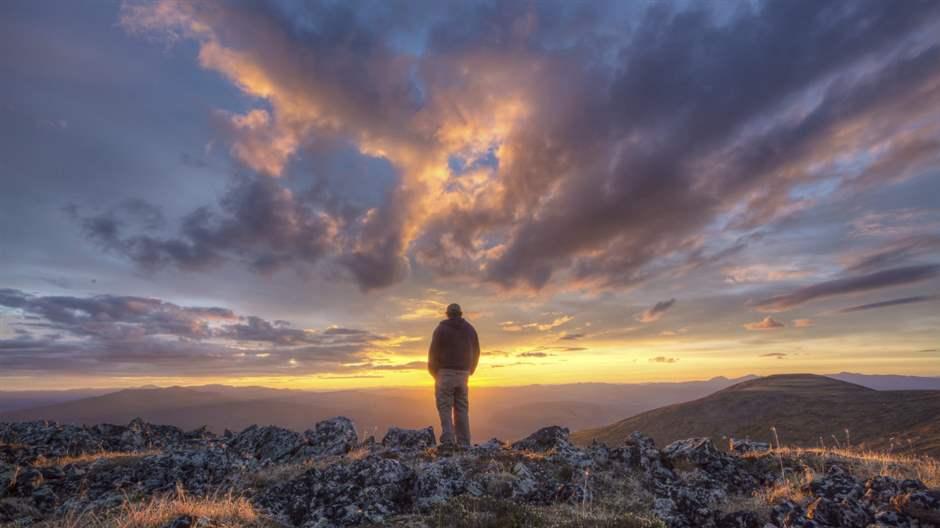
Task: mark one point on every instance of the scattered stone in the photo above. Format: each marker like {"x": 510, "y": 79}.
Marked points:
{"x": 739, "y": 519}
{"x": 336, "y": 436}
{"x": 183, "y": 521}
{"x": 552, "y": 438}
{"x": 439, "y": 481}
{"x": 268, "y": 443}
{"x": 306, "y": 481}
{"x": 743, "y": 447}
{"x": 344, "y": 494}
{"x": 845, "y": 513}
{"x": 409, "y": 439}
{"x": 838, "y": 484}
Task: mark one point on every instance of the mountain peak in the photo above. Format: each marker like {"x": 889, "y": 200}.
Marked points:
{"x": 804, "y": 383}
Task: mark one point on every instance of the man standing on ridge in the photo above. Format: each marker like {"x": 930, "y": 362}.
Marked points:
{"x": 452, "y": 359}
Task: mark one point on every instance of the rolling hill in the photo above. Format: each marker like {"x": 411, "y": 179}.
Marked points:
{"x": 805, "y": 409}
{"x": 508, "y": 413}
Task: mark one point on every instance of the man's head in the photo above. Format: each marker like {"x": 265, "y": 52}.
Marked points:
{"x": 453, "y": 311}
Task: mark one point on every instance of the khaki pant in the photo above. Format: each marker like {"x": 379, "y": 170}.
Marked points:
{"x": 453, "y": 404}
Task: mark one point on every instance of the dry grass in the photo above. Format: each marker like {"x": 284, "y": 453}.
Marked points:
{"x": 280, "y": 472}
{"x": 863, "y": 464}
{"x": 866, "y": 463}
{"x": 116, "y": 457}
{"x": 227, "y": 511}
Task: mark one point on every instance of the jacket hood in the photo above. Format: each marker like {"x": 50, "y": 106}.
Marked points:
{"x": 456, "y": 322}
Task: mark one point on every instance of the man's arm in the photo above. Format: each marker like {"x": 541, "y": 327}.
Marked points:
{"x": 476, "y": 349}
{"x": 434, "y": 352}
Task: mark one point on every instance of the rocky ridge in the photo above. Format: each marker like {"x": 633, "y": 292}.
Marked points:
{"x": 326, "y": 476}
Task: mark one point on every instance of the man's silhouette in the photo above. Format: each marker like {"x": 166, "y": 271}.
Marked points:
{"x": 452, "y": 359}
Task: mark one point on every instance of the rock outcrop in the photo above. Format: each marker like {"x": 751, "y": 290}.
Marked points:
{"x": 326, "y": 477}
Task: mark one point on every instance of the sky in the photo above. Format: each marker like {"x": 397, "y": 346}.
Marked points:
{"x": 289, "y": 193}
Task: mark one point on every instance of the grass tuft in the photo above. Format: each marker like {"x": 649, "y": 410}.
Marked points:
{"x": 225, "y": 511}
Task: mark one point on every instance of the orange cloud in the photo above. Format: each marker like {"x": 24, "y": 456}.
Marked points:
{"x": 767, "y": 323}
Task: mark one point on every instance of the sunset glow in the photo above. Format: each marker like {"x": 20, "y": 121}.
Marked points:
{"x": 288, "y": 194}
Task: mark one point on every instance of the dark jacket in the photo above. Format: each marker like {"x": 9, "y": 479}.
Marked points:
{"x": 455, "y": 345}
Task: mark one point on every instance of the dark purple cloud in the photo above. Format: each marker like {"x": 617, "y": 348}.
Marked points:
{"x": 848, "y": 285}
{"x": 655, "y": 312}
{"x": 145, "y": 336}
{"x": 893, "y": 302}
{"x": 620, "y": 152}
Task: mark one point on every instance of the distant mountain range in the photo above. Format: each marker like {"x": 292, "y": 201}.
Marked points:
{"x": 805, "y": 409}
{"x": 510, "y": 413}
{"x": 507, "y": 413}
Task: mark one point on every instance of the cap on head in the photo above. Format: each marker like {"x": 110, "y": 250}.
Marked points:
{"x": 453, "y": 310}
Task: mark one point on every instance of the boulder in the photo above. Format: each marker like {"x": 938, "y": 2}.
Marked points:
{"x": 268, "y": 443}
{"x": 846, "y": 513}
{"x": 552, "y": 438}
{"x": 743, "y": 447}
{"x": 922, "y": 505}
{"x": 739, "y": 519}
{"x": 409, "y": 439}
{"x": 346, "y": 493}
{"x": 439, "y": 481}
{"x": 838, "y": 484}
{"x": 336, "y": 436}
{"x": 725, "y": 471}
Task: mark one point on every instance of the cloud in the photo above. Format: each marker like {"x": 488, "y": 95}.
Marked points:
{"x": 848, "y": 285}
{"x": 803, "y": 323}
{"x": 895, "y": 252}
{"x": 534, "y": 354}
{"x": 767, "y": 323}
{"x": 572, "y": 337}
{"x": 892, "y": 302}
{"x": 663, "y": 359}
{"x": 762, "y": 273}
{"x": 899, "y": 223}
{"x": 516, "y": 326}
{"x": 655, "y": 312}
{"x": 423, "y": 310}
{"x": 411, "y": 365}
{"x": 516, "y": 364}
{"x": 778, "y": 355}
{"x": 585, "y": 156}
{"x": 121, "y": 335}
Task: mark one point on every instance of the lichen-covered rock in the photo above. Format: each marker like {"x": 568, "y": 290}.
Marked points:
{"x": 922, "y": 505}
{"x": 743, "y": 447}
{"x": 336, "y": 436}
{"x": 552, "y": 438}
{"x": 838, "y": 484}
{"x": 45, "y": 439}
{"x": 788, "y": 513}
{"x": 344, "y": 494}
{"x": 409, "y": 439}
{"x": 554, "y": 441}
{"x": 739, "y": 519}
{"x": 49, "y": 438}
{"x": 439, "y": 481}
{"x": 493, "y": 444}
{"x": 845, "y": 513}
{"x": 8, "y": 474}
{"x": 687, "y": 484}
{"x": 268, "y": 443}
{"x": 724, "y": 470}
